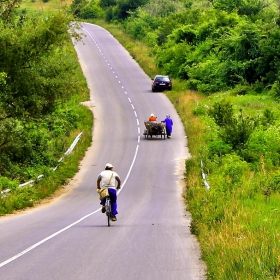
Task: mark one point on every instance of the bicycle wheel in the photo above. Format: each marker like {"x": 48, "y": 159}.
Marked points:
{"x": 108, "y": 211}
{"x": 109, "y": 219}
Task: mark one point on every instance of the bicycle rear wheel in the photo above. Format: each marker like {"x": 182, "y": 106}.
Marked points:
{"x": 109, "y": 219}
{"x": 108, "y": 211}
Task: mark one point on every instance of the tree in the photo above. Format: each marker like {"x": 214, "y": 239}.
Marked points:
{"x": 243, "y": 7}
{"x": 124, "y": 7}
{"x": 35, "y": 73}
{"x": 32, "y": 68}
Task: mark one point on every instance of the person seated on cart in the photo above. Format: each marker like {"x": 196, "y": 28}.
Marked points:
{"x": 152, "y": 118}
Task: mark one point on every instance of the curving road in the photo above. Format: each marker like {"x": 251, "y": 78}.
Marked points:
{"x": 68, "y": 238}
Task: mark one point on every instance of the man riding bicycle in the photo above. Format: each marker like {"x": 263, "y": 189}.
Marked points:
{"x": 108, "y": 179}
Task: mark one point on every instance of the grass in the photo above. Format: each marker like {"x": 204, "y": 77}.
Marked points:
{"x": 49, "y": 6}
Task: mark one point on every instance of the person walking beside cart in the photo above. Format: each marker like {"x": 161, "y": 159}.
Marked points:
{"x": 109, "y": 179}
{"x": 168, "y": 125}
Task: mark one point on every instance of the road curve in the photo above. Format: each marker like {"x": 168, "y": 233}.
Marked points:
{"x": 68, "y": 238}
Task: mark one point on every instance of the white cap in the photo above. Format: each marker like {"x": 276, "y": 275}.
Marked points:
{"x": 108, "y": 165}
{"x": 152, "y": 115}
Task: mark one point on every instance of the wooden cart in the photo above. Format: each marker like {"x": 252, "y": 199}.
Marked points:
{"x": 154, "y": 129}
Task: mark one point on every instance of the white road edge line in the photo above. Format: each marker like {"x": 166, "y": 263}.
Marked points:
{"x": 71, "y": 225}
{"x": 44, "y": 240}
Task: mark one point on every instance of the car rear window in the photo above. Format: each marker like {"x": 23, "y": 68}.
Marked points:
{"x": 165, "y": 79}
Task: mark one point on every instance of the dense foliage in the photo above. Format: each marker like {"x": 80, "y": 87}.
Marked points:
{"x": 37, "y": 81}
{"x": 214, "y": 46}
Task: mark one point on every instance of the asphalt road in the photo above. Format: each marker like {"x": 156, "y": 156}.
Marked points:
{"x": 68, "y": 238}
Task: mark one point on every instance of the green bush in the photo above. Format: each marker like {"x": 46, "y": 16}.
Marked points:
{"x": 238, "y": 131}
{"x": 275, "y": 90}
{"x": 219, "y": 147}
{"x": 200, "y": 110}
{"x": 210, "y": 74}
{"x": 222, "y": 113}
{"x": 192, "y": 84}
{"x": 171, "y": 60}
{"x": 232, "y": 169}
{"x": 274, "y": 182}
{"x": 91, "y": 11}
{"x": 6, "y": 183}
{"x": 241, "y": 90}
{"x": 263, "y": 145}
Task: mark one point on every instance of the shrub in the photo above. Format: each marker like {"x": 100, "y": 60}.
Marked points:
{"x": 240, "y": 90}
{"x": 222, "y": 112}
{"x": 227, "y": 172}
{"x": 274, "y": 182}
{"x": 211, "y": 74}
{"x": 200, "y": 110}
{"x": 238, "y": 131}
{"x": 172, "y": 59}
{"x": 192, "y": 84}
{"x": 263, "y": 145}
{"x": 268, "y": 118}
{"x": 275, "y": 90}
{"x": 6, "y": 183}
{"x": 219, "y": 147}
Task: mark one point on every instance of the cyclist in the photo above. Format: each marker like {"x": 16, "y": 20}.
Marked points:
{"x": 108, "y": 179}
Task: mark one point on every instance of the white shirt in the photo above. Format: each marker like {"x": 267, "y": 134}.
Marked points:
{"x": 108, "y": 179}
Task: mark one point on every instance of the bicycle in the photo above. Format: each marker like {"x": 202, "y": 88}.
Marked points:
{"x": 108, "y": 210}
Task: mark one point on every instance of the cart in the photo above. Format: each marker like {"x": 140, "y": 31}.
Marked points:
{"x": 154, "y": 129}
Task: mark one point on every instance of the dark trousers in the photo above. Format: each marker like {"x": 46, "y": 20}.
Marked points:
{"x": 113, "y": 197}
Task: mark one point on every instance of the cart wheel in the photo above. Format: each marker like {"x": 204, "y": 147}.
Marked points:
{"x": 146, "y": 133}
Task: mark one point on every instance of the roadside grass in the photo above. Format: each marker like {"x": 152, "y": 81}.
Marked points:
{"x": 251, "y": 104}
{"x": 48, "y": 6}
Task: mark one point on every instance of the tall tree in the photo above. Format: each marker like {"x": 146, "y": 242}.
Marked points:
{"x": 35, "y": 74}
{"x": 31, "y": 66}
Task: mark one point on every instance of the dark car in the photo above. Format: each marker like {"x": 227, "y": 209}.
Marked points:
{"x": 161, "y": 82}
